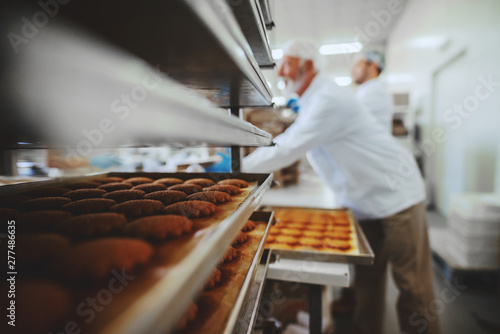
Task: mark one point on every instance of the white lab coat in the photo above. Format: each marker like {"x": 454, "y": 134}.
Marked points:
{"x": 375, "y": 97}
{"x": 368, "y": 170}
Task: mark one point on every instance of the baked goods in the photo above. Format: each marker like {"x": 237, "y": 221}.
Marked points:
{"x": 89, "y": 205}
{"x": 97, "y": 258}
{"x": 76, "y": 195}
{"x": 46, "y": 192}
{"x": 82, "y": 185}
{"x": 188, "y": 189}
{"x": 159, "y": 227}
{"x": 150, "y": 187}
{"x": 214, "y": 278}
{"x": 240, "y": 239}
{"x": 40, "y": 221}
{"x": 92, "y": 224}
{"x": 188, "y": 316}
{"x": 314, "y": 234}
{"x": 12, "y": 201}
{"x": 33, "y": 250}
{"x": 292, "y": 232}
{"x": 109, "y": 187}
{"x": 138, "y": 207}
{"x": 169, "y": 181}
{"x": 215, "y": 197}
{"x": 167, "y": 197}
{"x": 249, "y": 226}
{"x": 337, "y": 244}
{"x": 108, "y": 179}
{"x": 337, "y": 235}
{"x": 42, "y": 304}
{"x": 191, "y": 209}
{"x": 202, "y": 182}
{"x": 286, "y": 239}
{"x": 234, "y": 182}
{"x": 231, "y": 254}
{"x": 270, "y": 238}
{"x": 227, "y": 188}
{"x": 44, "y": 203}
{"x": 120, "y": 196}
{"x": 139, "y": 180}
{"x": 310, "y": 242}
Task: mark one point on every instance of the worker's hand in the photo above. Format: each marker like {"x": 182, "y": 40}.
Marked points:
{"x": 223, "y": 166}
{"x": 293, "y": 103}
{"x": 105, "y": 161}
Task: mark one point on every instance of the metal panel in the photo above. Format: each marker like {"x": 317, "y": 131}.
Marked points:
{"x": 266, "y": 13}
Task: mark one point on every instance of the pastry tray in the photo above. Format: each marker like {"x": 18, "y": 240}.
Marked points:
{"x": 155, "y": 301}
{"x": 364, "y": 254}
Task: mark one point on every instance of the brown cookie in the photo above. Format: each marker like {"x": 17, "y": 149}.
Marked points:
{"x": 40, "y": 221}
{"x": 314, "y": 234}
{"x": 34, "y": 250}
{"x": 167, "y": 197}
{"x": 213, "y": 280}
{"x": 188, "y": 189}
{"x": 240, "y": 239}
{"x": 89, "y": 205}
{"x": 231, "y": 254}
{"x": 234, "y": 182}
{"x": 44, "y": 203}
{"x": 139, "y": 180}
{"x": 138, "y": 207}
{"x": 82, "y": 185}
{"x": 108, "y": 179}
{"x": 76, "y": 195}
{"x": 229, "y": 189}
{"x": 337, "y": 244}
{"x": 191, "y": 209}
{"x": 114, "y": 186}
{"x": 310, "y": 242}
{"x": 215, "y": 197}
{"x": 150, "y": 187}
{"x": 46, "y": 192}
{"x": 249, "y": 226}
{"x": 290, "y": 231}
{"x": 169, "y": 181}
{"x": 96, "y": 259}
{"x": 188, "y": 317}
{"x": 92, "y": 224}
{"x": 121, "y": 196}
{"x": 202, "y": 182}
{"x": 286, "y": 239}
{"x": 159, "y": 227}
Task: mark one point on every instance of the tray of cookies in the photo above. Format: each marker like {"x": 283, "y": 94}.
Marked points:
{"x": 319, "y": 235}
{"x": 123, "y": 252}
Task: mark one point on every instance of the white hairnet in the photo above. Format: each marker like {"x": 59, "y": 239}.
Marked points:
{"x": 374, "y": 56}
{"x": 305, "y": 50}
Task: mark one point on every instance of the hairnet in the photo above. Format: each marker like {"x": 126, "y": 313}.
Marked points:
{"x": 374, "y": 56}
{"x": 305, "y": 50}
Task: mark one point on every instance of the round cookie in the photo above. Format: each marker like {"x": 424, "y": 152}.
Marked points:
{"x": 202, "y": 182}
{"x": 215, "y": 197}
{"x": 314, "y": 234}
{"x": 282, "y": 246}
{"x": 108, "y": 179}
{"x": 92, "y": 224}
{"x": 97, "y": 258}
{"x": 114, "y": 186}
{"x": 169, "y": 181}
{"x": 120, "y": 196}
{"x": 292, "y": 232}
{"x": 44, "y": 203}
{"x": 231, "y": 254}
{"x": 76, "y": 195}
{"x": 191, "y": 209}
{"x": 310, "y": 242}
{"x": 89, "y": 205}
{"x": 285, "y": 239}
{"x": 234, "y": 182}
{"x": 159, "y": 227}
{"x": 138, "y": 207}
{"x": 40, "y": 221}
{"x": 240, "y": 239}
{"x": 82, "y": 185}
{"x": 150, "y": 187}
{"x": 167, "y": 197}
{"x": 213, "y": 280}
{"x": 34, "y": 250}
{"x": 188, "y": 317}
{"x": 249, "y": 226}
{"x": 229, "y": 189}
{"x": 188, "y": 189}
{"x": 139, "y": 180}
{"x": 337, "y": 244}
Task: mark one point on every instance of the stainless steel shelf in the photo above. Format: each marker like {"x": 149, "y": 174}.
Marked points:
{"x": 266, "y": 13}
{"x": 67, "y": 89}
{"x": 248, "y": 13}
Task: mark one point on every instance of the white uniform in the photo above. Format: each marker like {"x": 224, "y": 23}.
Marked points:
{"x": 374, "y": 96}
{"x": 368, "y": 170}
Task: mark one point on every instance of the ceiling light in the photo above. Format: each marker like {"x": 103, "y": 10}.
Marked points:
{"x": 340, "y": 48}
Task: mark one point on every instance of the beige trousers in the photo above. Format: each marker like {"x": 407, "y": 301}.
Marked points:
{"x": 402, "y": 241}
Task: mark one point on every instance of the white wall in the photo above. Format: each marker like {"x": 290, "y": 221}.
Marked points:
{"x": 437, "y": 51}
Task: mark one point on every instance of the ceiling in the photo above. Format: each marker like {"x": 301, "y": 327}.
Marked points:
{"x": 333, "y": 21}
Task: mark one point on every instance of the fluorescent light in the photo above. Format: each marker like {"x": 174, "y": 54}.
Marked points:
{"x": 279, "y": 100}
{"x": 277, "y": 54}
{"x": 340, "y": 48}
{"x": 343, "y": 81}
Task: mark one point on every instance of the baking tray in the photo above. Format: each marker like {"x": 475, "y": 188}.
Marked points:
{"x": 154, "y": 303}
{"x": 364, "y": 256}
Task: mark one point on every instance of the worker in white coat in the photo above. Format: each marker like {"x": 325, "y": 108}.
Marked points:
{"x": 372, "y": 93}
{"x": 370, "y": 173}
